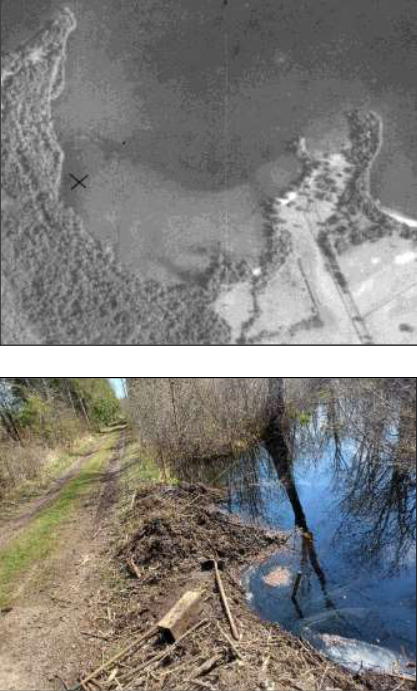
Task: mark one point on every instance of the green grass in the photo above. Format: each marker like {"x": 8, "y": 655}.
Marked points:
{"x": 139, "y": 467}
{"x": 40, "y": 538}
{"x": 59, "y": 463}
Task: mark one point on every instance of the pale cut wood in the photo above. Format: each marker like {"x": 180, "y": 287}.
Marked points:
{"x": 119, "y": 655}
{"x": 160, "y": 656}
{"x": 229, "y": 641}
{"x": 182, "y": 614}
{"x": 232, "y": 624}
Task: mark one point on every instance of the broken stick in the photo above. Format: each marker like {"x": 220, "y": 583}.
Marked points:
{"x": 206, "y": 666}
{"x": 134, "y": 569}
{"x": 229, "y": 641}
{"x": 160, "y": 656}
{"x": 225, "y": 603}
{"x": 122, "y": 653}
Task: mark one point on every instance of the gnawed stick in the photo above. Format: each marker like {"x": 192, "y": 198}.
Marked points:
{"x": 229, "y": 641}
{"x": 119, "y": 655}
{"x": 206, "y": 667}
{"x": 160, "y": 656}
{"x": 232, "y": 624}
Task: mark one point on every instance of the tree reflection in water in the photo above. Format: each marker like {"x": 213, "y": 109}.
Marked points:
{"x": 341, "y": 472}
{"x": 379, "y": 495}
{"x": 367, "y": 441}
{"x": 372, "y": 447}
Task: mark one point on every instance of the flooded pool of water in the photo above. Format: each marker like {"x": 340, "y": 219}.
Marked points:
{"x": 346, "y": 580}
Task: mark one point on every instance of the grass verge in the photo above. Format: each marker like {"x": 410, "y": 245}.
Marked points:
{"x": 54, "y": 463}
{"x": 41, "y": 536}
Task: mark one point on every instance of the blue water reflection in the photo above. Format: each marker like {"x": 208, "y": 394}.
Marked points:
{"x": 354, "y": 544}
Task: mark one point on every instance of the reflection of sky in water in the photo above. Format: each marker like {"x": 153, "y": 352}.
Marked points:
{"x": 369, "y": 599}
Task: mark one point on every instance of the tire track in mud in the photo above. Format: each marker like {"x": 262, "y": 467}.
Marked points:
{"x": 69, "y": 604}
{"x": 10, "y": 527}
{"x": 110, "y": 479}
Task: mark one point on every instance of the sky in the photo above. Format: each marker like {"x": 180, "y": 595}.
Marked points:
{"x": 117, "y": 384}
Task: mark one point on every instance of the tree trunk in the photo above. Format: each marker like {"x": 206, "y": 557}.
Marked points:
{"x": 10, "y": 425}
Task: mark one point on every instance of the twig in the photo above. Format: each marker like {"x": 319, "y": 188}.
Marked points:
{"x": 133, "y": 499}
{"x": 134, "y": 568}
{"x": 208, "y": 665}
{"x": 122, "y": 653}
{"x": 404, "y": 677}
{"x": 62, "y": 681}
{"x": 175, "y": 668}
{"x": 164, "y": 653}
{"x": 323, "y": 677}
{"x": 229, "y": 641}
{"x": 94, "y": 635}
{"x": 204, "y": 668}
{"x": 203, "y": 684}
{"x": 232, "y": 624}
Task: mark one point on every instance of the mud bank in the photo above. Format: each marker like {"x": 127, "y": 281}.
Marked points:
{"x": 168, "y": 535}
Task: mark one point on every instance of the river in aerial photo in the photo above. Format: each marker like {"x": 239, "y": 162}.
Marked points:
{"x": 182, "y": 114}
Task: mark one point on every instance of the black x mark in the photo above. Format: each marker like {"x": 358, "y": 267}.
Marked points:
{"x": 78, "y": 182}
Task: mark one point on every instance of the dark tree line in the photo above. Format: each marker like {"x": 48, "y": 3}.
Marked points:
{"x": 31, "y": 406}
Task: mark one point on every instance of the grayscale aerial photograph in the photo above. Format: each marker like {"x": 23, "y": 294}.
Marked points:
{"x": 208, "y": 172}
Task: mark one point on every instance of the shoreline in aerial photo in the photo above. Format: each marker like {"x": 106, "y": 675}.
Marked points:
{"x": 195, "y": 177}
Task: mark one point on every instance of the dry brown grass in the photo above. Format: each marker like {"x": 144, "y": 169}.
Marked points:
{"x": 19, "y": 463}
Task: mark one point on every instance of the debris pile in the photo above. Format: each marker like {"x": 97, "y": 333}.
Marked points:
{"x": 184, "y": 526}
{"x": 185, "y": 623}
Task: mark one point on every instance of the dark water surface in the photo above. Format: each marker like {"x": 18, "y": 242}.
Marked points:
{"x": 206, "y": 94}
{"x": 351, "y": 513}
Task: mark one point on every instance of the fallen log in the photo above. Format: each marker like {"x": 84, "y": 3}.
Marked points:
{"x": 179, "y": 618}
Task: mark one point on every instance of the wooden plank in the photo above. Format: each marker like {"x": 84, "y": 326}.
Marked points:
{"x": 182, "y": 615}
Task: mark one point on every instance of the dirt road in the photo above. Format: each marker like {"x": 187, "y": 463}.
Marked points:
{"x": 46, "y": 636}
{"x": 10, "y": 527}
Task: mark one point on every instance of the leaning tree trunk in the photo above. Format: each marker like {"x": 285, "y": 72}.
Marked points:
{"x": 10, "y": 426}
